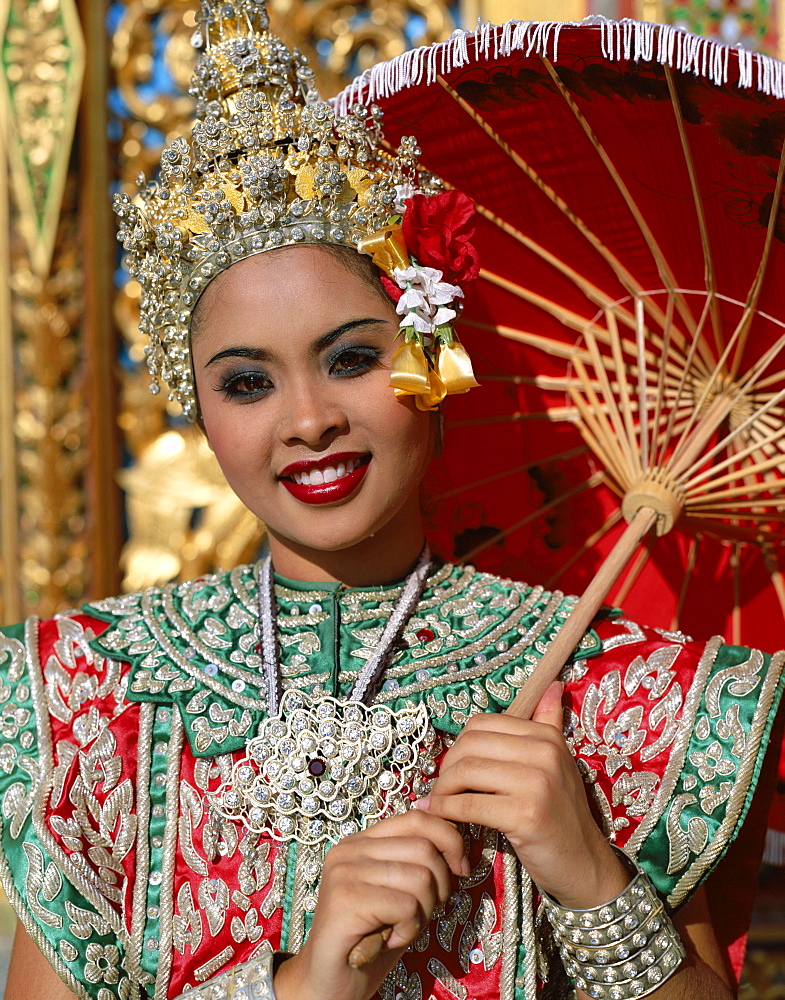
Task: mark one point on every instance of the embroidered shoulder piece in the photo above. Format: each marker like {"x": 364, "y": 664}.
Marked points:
{"x": 469, "y": 647}
{"x": 67, "y": 799}
{"x": 670, "y": 735}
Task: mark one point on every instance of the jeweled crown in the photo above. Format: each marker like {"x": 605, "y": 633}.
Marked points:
{"x": 268, "y": 165}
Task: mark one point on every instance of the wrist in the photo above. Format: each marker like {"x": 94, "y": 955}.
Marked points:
{"x": 287, "y": 983}
{"x": 602, "y": 879}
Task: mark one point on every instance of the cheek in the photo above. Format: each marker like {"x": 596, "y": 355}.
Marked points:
{"x": 237, "y": 443}
{"x": 411, "y": 434}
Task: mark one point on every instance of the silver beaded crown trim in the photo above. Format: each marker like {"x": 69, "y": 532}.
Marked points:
{"x": 268, "y": 165}
{"x": 625, "y": 948}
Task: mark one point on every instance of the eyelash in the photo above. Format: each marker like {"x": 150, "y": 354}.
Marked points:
{"x": 230, "y": 384}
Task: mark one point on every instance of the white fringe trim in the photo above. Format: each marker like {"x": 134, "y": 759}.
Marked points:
{"x": 774, "y": 851}
{"x": 637, "y": 40}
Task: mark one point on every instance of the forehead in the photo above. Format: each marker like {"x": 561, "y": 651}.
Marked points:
{"x": 310, "y": 286}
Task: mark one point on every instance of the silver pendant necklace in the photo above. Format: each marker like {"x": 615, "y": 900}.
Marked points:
{"x": 321, "y": 768}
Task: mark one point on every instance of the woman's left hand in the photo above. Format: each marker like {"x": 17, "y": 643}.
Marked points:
{"x": 519, "y": 777}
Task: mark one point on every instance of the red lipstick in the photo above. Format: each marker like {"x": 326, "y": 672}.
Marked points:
{"x": 324, "y": 493}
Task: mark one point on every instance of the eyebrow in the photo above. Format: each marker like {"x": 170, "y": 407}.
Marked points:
{"x": 259, "y": 354}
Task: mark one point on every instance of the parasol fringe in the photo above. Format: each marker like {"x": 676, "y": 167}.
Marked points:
{"x": 670, "y": 46}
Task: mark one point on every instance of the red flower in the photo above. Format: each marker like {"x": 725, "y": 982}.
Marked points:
{"x": 391, "y": 288}
{"x": 438, "y": 230}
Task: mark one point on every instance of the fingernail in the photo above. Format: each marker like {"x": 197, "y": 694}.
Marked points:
{"x": 423, "y": 803}
{"x": 465, "y": 866}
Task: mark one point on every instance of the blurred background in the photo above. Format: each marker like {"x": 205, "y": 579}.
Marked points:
{"x": 102, "y": 487}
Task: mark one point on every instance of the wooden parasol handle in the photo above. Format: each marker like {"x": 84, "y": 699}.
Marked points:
{"x": 550, "y": 666}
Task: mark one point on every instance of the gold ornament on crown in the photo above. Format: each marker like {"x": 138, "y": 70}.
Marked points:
{"x": 268, "y": 165}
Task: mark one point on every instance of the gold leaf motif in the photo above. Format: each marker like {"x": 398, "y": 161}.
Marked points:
{"x": 303, "y": 183}
{"x": 235, "y": 198}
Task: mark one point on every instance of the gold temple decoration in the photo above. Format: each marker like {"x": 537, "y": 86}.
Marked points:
{"x": 43, "y": 65}
{"x": 43, "y": 441}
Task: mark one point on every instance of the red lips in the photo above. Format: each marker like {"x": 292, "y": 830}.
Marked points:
{"x": 325, "y": 493}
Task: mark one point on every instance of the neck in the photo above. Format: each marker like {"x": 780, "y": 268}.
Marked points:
{"x": 388, "y": 555}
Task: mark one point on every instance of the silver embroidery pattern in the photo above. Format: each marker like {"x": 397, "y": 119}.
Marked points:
{"x": 323, "y": 769}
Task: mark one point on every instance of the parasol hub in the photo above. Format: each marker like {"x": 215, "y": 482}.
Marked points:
{"x": 740, "y": 403}
{"x": 658, "y": 492}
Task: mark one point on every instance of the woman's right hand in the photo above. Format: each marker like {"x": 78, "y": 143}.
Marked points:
{"x": 392, "y": 875}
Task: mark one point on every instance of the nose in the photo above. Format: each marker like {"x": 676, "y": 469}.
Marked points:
{"x": 311, "y": 416}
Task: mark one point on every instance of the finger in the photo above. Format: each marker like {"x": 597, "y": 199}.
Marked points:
{"x": 400, "y": 862}
{"x": 498, "y": 812}
{"x": 368, "y": 907}
{"x": 549, "y": 711}
{"x": 444, "y": 837}
{"x": 498, "y": 777}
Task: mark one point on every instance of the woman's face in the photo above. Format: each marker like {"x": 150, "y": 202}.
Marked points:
{"x": 291, "y": 356}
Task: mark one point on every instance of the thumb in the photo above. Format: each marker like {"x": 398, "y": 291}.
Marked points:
{"x": 549, "y": 709}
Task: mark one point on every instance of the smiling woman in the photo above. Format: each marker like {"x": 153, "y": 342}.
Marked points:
{"x": 292, "y": 364}
{"x": 295, "y": 779}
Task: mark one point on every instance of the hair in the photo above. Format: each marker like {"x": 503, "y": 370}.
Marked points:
{"x": 358, "y": 264}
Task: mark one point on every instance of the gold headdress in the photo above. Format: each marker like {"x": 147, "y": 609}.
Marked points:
{"x": 268, "y": 165}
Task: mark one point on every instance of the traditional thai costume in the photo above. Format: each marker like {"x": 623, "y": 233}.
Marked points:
{"x": 176, "y": 763}
{"x": 123, "y": 723}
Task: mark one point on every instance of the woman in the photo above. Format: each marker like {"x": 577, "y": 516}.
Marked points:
{"x": 178, "y": 762}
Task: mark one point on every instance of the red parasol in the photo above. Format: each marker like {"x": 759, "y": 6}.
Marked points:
{"x": 629, "y": 316}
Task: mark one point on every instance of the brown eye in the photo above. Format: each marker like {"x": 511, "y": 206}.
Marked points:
{"x": 354, "y": 361}
{"x": 245, "y": 384}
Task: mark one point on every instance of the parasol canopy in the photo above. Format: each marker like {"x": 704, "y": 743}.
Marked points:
{"x": 628, "y": 326}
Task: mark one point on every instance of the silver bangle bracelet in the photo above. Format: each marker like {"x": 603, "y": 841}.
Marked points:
{"x": 625, "y": 948}
{"x": 250, "y": 981}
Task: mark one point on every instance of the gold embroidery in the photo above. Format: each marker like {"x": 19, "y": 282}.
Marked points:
{"x": 442, "y": 975}
{"x": 187, "y": 931}
{"x": 682, "y": 842}
{"x": 42, "y": 880}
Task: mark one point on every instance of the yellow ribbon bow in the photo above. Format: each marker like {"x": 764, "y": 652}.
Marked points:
{"x": 455, "y": 369}
{"x": 387, "y": 248}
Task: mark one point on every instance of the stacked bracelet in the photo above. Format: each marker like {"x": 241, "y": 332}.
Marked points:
{"x": 625, "y": 948}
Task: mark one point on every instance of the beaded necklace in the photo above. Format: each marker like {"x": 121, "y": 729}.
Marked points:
{"x": 321, "y": 768}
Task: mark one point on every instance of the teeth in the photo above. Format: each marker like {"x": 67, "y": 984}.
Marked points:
{"x": 317, "y": 477}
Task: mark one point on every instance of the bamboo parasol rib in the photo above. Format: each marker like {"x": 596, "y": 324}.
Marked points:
{"x": 685, "y": 422}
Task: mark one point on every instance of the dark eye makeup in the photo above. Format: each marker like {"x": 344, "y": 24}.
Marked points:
{"x": 345, "y": 361}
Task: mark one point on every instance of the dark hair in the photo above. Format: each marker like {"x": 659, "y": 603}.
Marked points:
{"x": 359, "y": 264}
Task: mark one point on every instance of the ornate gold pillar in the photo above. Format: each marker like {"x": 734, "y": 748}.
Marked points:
{"x": 55, "y": 486}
